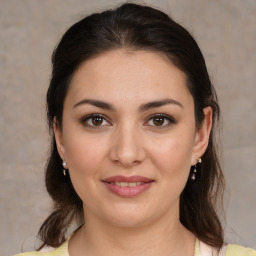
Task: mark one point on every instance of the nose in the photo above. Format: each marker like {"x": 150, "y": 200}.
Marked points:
{"x": 127, "y": 147}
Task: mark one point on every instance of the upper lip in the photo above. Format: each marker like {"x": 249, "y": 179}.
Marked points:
{"x": 120, "y": 178}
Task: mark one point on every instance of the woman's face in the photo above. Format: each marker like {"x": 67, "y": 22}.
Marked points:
{"x": 129, "y": 137}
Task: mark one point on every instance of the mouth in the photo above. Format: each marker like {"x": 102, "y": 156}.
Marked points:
{"x": 128, "y": 186}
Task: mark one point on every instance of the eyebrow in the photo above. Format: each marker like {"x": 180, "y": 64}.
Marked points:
{"x": 142, "y": 108}
{"x": 96, "y": 103}
{"x": 159, "y": 103}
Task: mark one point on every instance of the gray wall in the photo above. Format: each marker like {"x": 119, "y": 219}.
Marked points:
{"x": 226, "y": 32}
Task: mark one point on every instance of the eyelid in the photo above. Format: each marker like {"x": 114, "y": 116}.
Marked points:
{"x": 170, "y": 119}
{"x": 87, "y": 117}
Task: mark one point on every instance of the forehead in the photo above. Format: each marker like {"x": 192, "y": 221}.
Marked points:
{"x": 122, "y": 74}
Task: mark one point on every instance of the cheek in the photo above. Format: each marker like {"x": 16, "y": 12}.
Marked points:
{"x": 85, "y": 158}
{"x": 172, "y": 155}
{"x": 84, "y": 154}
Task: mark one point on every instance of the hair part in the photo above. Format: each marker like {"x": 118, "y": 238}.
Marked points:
{"x": 134, "y": 27}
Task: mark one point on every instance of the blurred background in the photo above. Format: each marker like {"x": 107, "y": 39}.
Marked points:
{"x": 29, "y": 30}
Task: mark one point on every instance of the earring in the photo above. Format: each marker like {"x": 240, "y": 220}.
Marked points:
{"x": 64, "y": 164}
{"x": 193, "y": 176}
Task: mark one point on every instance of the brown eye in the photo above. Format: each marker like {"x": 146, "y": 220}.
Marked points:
{"x": 158, "y": 121}
{"x": 97, "y": 120}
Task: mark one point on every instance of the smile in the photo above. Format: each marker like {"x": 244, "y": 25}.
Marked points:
{"x": 128, "y": 186}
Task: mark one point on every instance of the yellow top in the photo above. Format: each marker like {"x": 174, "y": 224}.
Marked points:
{"x": 232, "y": 250}
{"x": 60, "y": 251}
{"x": 237, "y": 250}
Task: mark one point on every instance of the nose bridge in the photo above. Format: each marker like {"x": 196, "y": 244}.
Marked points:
{"x": 127, "y": 147}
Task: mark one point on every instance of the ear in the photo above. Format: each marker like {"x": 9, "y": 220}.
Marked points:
{"x": 202, "y": 136}
{"x": 59, "y": 138}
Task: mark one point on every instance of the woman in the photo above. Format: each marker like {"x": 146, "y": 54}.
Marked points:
{"x": 132, "y": 113}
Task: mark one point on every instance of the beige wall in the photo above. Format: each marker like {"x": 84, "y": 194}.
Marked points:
{"x": 29, "y": 30}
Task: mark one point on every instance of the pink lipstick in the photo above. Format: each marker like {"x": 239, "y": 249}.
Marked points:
{"x": 127, "y": 186}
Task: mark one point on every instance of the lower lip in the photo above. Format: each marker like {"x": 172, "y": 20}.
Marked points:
{"x": 128, "y": 191}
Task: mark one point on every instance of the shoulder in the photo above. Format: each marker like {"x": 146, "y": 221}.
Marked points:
{"x": 34, "y": 253}
{"x": 238, "y": 250}
{"x": 49, "y": 251}
{"x": 37, "y": 253}
{"x": 56, "y": 252}
{"x": 228, "y": 250}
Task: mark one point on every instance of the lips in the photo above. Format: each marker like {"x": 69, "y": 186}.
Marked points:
{"x": 128, "y": 186}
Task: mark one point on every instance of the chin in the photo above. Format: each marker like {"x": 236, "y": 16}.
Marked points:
{"x": 129, "y": 216}
{"x": 129, "y": 222}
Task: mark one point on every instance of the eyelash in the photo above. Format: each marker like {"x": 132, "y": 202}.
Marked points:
{"x": 169, "y": 119}
{"x": 85, "y": 119}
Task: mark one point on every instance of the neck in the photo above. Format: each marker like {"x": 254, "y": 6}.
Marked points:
{"x": 158, "y": 238}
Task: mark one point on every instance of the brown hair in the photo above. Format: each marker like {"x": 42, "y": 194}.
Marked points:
{"x": 134, "y": 27}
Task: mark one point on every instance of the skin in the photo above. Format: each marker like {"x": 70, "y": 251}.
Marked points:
{"x": 128, "y": 142}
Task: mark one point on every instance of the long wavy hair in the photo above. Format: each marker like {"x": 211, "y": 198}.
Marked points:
{"x": 134, "y": 27}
